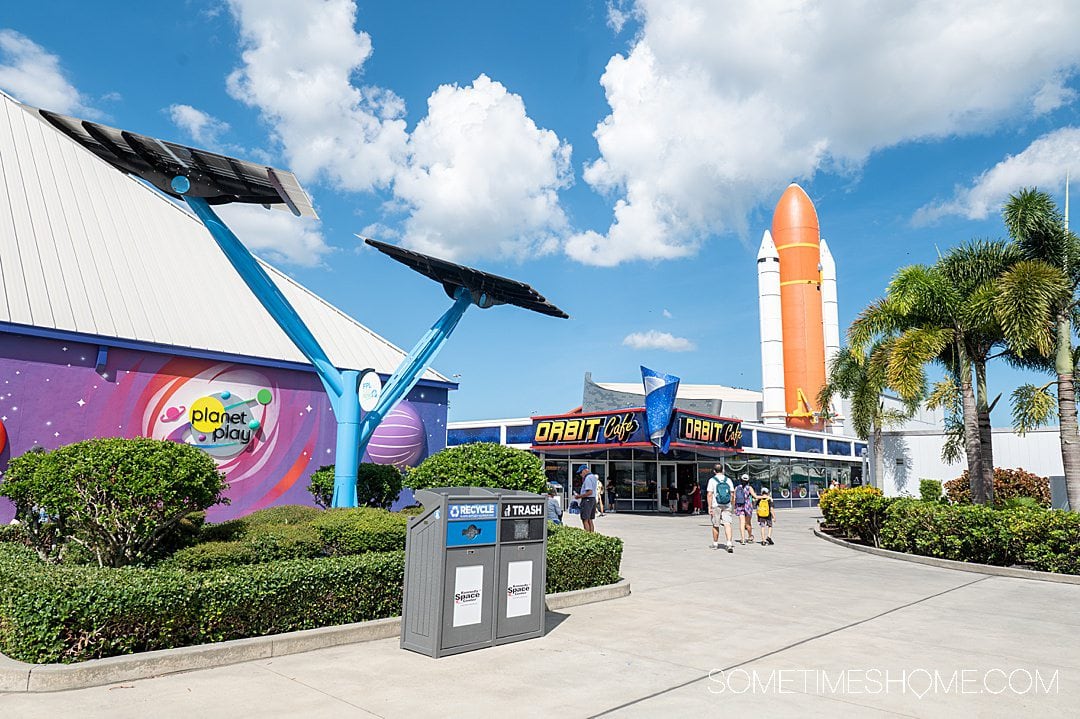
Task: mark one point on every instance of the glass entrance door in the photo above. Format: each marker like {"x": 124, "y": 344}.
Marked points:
{"x": 668, "y": 487}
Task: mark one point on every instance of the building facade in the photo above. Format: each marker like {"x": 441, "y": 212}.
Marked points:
{"x": 120, "y": 317}
{"x": 607, "y": 433}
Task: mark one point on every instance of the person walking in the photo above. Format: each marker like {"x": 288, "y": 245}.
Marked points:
{"x": 765, "y": 516}
{"x": 554, "y": 507}
{"x": 720, "y": 493}
{"x": 745, "y": 499}
{"x": 611, "y": 496}
{"x": 672, "y": 498}
{"x": 586, "y": 497}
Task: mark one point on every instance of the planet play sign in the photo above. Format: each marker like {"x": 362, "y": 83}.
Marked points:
{"x": 223, "y": 424}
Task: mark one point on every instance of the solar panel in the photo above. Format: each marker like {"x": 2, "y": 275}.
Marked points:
{"x": 216, "y": 178}
{"x": 497, "y": 290}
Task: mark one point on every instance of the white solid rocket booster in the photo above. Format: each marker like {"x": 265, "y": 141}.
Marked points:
{"x": 772, "y": 333}
{"x": 830, "y": 321}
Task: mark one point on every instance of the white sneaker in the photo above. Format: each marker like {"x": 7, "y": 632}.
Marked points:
{"x": 714, "y": 545}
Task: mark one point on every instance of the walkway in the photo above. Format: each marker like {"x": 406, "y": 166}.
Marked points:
{"x": 803, "y": 628}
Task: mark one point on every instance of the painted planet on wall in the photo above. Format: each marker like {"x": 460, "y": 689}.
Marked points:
{"x": 399, "y": 439}
{"x": 3, "y": 436}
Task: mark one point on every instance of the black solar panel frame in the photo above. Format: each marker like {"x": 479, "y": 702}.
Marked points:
{"x": 498, "y": 290}
{"x": 216, "y": 178}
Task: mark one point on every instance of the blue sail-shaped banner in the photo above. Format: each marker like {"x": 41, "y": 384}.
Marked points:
{"x": 660, "y": 390}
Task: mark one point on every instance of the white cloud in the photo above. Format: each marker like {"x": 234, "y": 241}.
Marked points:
{"x": 33, "y": 75}
{"x": 718, "y": 106}
{"x": 299, "y": 60}
{"x": 654, "y": 340}
{"x": 277, "y": 236}
{"x": 667, "y": 314}
{"x": 1043, "y": 163}
{"x": 482, "y": 179}
{"x": 203, "y": 128}
{"x": 619, "y": 12}
{"x": 476, "y": 177}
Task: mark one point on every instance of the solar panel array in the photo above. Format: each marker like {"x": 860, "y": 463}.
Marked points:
{"x": 216, "y": 178}
{"x": 496, "y": 289}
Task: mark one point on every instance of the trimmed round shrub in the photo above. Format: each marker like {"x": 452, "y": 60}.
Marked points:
{"x": 930, "y": 490}
{"x": 284, "y": 514}
{"x": 120, "y": 498}
{"x": 577, "y": 559}
{"x": 358, "y": 530}
{"x": 857, "y": 512}
{"x": 481, "y": 464}
{"x": 283, "y": 541}
{"x": 377, "y": 485}
{"x": 1008, "y": 484}
{"x": 227, "y": 531}
{"x": 261, "y": 543}
{"x": 211, "y": 555}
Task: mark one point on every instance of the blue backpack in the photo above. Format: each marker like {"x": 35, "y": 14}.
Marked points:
{"x": 722, "y": 494}
{"x": 740, "y": 495}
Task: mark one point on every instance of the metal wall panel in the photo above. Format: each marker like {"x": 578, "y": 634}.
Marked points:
{"x": 85, "y": 248}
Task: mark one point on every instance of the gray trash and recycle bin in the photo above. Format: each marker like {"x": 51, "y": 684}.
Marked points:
{"x": 475, "y": 570}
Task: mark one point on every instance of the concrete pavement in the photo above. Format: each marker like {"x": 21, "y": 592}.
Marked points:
{"x": 803, "y": 628}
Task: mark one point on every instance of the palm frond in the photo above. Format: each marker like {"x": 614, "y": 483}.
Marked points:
{"x": 1028, "y": 299}
{"x": 1032, "y": 407}
{"x": 1037, "y": 226}
{"x": 919, "y": 293}
{"x": 974, "y": 263}
{"x": 910, "y": 353}
{"x": 953, "y": 450}
{"x": 945, "y": 395}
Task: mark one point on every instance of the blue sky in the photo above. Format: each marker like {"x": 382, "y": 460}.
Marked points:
{"x": 622, "y": 157}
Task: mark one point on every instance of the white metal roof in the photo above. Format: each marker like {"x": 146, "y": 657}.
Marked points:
{"x": 690, "y": 391}
{"x": 85, "y": 248}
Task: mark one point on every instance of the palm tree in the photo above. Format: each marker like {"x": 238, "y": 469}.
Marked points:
{"x": 943, "y": 314}
{"x": 860, "y": 378}
{"x": 1036, "y": 304}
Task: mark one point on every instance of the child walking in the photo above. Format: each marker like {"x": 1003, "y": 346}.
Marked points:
{"x": 765, "y": 516}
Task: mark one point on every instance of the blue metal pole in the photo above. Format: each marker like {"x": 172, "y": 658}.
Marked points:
{"x": 348, "y": 452}
{"x": 415, "y": 363}
{"x": 341, "y": 387}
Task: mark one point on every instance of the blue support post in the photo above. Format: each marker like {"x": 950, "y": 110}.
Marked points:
{"x": 340, "y": 386}
{"x": 415, "y": 364}
{"x": 353, "y": 434}
{"x": 348, "y": 453}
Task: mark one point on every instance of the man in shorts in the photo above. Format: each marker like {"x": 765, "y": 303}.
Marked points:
{"x": 720, "y": 512}
{"x": 586, "y": 497}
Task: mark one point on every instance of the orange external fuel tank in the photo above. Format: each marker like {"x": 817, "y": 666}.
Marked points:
{"x": 797, "y": 236}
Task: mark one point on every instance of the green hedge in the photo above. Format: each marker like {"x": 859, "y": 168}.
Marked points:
{"x": 577, "y": 559}
{"x": 54, "y": 613}
{"x": 216, "y": 591}
{"x": 1042, "y": 539}
{"x": 968, "y": 533}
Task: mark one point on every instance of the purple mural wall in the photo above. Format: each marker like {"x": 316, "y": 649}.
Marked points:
{"x": 267, "y": 428}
